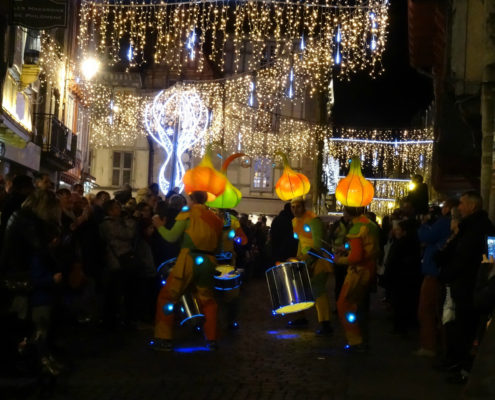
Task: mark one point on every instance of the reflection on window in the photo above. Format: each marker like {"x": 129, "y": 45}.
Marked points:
{"x": 262, "y": 175}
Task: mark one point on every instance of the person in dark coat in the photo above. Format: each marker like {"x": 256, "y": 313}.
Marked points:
{"x": 22, "y": 186}
{"x": 419, "y": 195}
{"x": 403, "y": 275}
{"x": 31, "y": 235}
{"x": 461, "y": 275}
{"x": 282, "y": 239}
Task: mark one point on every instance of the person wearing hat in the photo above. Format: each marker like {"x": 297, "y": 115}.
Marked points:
{"x": 308, "y": 230}
{"x": 353, "y": 302}
{"x": 200, "y": 230}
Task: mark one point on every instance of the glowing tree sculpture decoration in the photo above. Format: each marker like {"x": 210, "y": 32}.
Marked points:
{"x": 176, "y": 119}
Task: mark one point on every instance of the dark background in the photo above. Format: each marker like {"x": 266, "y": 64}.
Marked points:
{"x": 391, "y": 100}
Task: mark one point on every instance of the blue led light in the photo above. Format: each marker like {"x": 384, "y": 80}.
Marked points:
{"x": 347, "y": 347}
{"x": 182, "y": 309}
{"x": 168, "y": 308}
{"x": 199, "y": 260}
{"x": 231, "y": 234}
{"x": 307, "y": 228}
{"x": 347, "y": 246}
{"x": 350, "y": 317}
{"x": 296, "y": 236}
{"x": 238, "y": 240}
{"x": 185, "y": 209}
{"x": 164, "y": 282}
{"x": 152, "y": 342}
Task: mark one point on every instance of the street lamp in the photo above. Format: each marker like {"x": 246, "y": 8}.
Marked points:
{"x": 90, "y": 67}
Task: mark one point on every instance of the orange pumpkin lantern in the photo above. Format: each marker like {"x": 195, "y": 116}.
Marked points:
{"x": 205, "y": 177}
{"x": 291, "y": 184}
{"x": 231, "y": 196}
{"x": 354, "y": 190}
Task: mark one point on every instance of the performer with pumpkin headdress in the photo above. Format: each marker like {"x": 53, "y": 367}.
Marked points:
{"x": 355, "y": 192}
{"x": 309, "y": 230}
{"x": 200, "y": 231}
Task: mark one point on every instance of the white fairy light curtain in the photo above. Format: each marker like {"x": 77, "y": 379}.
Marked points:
{"x": 314, "y": 36}
{"x": 389, "y": 158}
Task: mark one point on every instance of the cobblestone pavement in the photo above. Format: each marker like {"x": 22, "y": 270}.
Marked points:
{"x": 262, "y": 360}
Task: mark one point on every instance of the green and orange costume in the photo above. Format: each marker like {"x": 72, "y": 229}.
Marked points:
{"x": 194, "y": 269}
{"x": 354, "y": 296}
{"x": 309, "y": 231}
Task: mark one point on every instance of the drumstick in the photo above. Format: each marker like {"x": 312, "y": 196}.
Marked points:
{"x": 318, "y": 256}
{"x": 326, "y": 251}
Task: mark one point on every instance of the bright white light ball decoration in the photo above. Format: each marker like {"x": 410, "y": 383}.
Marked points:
{"x": 175, "y": 113}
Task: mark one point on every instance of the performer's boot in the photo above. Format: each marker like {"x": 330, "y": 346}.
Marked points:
{"x": 325, "y": 329}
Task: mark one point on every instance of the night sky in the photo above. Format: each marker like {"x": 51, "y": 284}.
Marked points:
{"x": 393, "y": 99}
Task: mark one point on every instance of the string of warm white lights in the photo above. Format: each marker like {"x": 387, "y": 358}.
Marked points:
{"x": 387, "y": 157}
{"x": 384, "y": 153}
{"x": 310, "y": 37}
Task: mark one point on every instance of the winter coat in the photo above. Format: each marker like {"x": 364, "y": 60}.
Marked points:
{"x": 462, "y": 271}
{"x": 434, "y": 236}
{"x": 119, "y": 236}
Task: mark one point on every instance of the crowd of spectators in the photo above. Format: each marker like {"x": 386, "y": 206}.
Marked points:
{"x": 93, "y": 260}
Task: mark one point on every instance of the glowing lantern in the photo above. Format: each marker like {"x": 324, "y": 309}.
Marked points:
{"x": 231, "y": 196}
{"x": 205, "y": 177}
{"x": 291, "y": 184}
{"x": 354, "y": 190}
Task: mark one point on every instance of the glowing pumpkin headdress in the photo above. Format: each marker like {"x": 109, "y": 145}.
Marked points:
{"x": 204, "y": 177}
{"x": 354, "y": 190}
{"x": 291, "y": 184}
{"x": 231, "y": 196}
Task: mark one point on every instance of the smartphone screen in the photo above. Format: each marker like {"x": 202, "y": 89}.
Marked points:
{"x": 490, "y": 244}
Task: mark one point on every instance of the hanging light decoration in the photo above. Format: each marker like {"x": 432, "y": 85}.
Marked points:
{"x": 176, "y": 119}
{"x": 311, "y": 25}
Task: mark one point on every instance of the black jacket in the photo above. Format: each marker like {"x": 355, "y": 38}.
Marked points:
{"x": 463, "y": 269}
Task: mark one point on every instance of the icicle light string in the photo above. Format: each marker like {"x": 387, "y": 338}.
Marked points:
{"x": 252, "y": 26}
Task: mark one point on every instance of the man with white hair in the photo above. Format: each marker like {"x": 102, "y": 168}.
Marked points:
{"x": 461, "y": 275}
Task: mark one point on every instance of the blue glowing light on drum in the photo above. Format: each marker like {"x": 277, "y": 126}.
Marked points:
{"x": 182, "y": 309}
{"x": 191, "y": 317}
{"x": 307, "y": 228}
{"x": 163, "y": 282}
{"x": 296, "y": 236}
{"x": 350, "y": 317}
{"x": 185, "y": 209}
{"x": 191, "y": 349}
{"x": 199, "y": 260}
{"x": 231, "y": 234}
{"x": 238, "y": 240}
{"x": 347, "y": 246}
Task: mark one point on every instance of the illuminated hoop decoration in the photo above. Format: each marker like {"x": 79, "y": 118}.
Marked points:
{"x": 176, "y": 120}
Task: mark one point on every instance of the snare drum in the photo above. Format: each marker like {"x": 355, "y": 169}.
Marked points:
{"x": 189, "y": 310}
{"x": 290, "y": 287}
{"x": 227, "y": 278}
{"x": 190, "y": 313}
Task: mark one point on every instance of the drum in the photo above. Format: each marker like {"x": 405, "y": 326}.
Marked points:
{"x": 187, "y": 305}
{"x": 189, "y": 310}
{"x": 227, "y": 278}
{"x": 290, "y": 287}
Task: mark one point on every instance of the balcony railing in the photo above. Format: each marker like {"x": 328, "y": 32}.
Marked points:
{"x": 58, "y": 143}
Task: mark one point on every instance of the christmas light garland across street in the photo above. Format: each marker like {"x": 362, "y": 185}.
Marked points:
{"x": 176, "y": 119}
{"x": 315, "y": 35}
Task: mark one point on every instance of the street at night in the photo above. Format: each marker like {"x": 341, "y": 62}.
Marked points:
{"x": 249, "y": 199}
